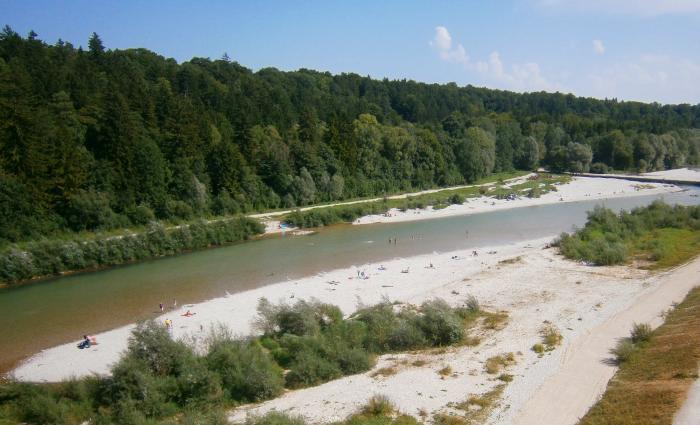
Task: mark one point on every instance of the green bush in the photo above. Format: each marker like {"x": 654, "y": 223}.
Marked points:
{"x": 535, "y": 192}
{"x": 440, "y": 323}
{"x": 407, "y": 335}
{"x": 311, "y": 368}
{"x": 610, "y": 238}
{"x": 159, "y": 380}
{"x": 380, "y": 321}
{"x": 538, "y": 348}
{"x": 247, "y": 372}
{"x": 599, "y": 168}
{"x": 641, "y": 332}
{"x": 302, "y": 318}
{"x": 623, "y": 350}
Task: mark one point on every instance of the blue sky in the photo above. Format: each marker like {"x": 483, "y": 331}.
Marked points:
{"x": 629, "y": 49}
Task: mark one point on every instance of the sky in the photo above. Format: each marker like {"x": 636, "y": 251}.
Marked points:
{"x": 645, "y": 50}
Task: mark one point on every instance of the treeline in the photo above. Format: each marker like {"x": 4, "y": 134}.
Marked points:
{"x": 159, "y": 380}
{"x": 667, "y": 235}
{"x": 94, "y": 139}
{"x": 48, "y": 257}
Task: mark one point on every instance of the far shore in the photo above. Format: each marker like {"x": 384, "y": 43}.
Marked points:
{"x": 579, "y": 189}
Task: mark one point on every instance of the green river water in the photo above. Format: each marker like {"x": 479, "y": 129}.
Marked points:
{"x": 47, "y": 313}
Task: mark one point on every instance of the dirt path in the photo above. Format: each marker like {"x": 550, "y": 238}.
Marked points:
{"x": 401, "y": 196}
{"x": 586, "y": 367}
{"x": 690, "y": 412}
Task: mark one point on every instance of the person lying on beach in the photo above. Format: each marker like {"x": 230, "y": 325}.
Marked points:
{"x": 405, "y": 270}
{"x": 85, "y": 343}
{"x": 189, "y": 314}
{"x": 382, "y": 267}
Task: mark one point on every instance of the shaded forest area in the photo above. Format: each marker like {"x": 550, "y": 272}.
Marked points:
{"x": 97, "y": 139}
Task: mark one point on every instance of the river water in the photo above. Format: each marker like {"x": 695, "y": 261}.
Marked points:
{"x": 47, "y": 313}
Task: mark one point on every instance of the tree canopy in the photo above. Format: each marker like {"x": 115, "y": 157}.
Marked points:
{"x": 97, "y": 139}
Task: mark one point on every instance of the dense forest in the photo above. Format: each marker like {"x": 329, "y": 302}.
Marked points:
{"x": 94, "y": 139}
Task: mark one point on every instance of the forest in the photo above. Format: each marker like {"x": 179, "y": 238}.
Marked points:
{"x": 96, "y": 139}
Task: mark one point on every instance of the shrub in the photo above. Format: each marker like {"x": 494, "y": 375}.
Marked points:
{"x": 505, "y": 377}
{"x": 302, "y": 318}
{"x": 378, "y": 405}
{"x": 494, "y": 364}
{"x": 473, "y": 304}
{"x": 380, "y": 322}
{"x": 151, "y": 344}
{"x": 641, "y": 332}
{"x": 610, "y": 238}
{"x": 133, "y": 389}
{"x": 353, "y": 360}
{"x": 310, "y": 368}
{"x": 44, "y": 409}
{"x": 551, "y": 336}
{"x": 623, "y": 350}
{"x": 445, "y": 371}
{"x": 455, "y": 199}
{"x": 599, "y": 168}
{"x": 538, "y": 348}
{"x": 440, "y": 323}
{"x": 535, "y": 192}
{"x": 140, "y": 214}
{"x": 247, "y": 372}
{"x": 406, "y": 335}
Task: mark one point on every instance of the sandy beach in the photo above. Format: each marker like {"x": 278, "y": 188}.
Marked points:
{"x": 591, "y": 306}
{"x": 533, "y": 285}
{"x": 579, "y": 189}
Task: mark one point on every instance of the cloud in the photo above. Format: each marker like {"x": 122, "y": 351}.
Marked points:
{"x": 598, "y": 47}
{"x": 624, "y": 7}
{"x": 519, "y": 77}
{"x": 442, "y": 42}
{"x": 649, "y": 78}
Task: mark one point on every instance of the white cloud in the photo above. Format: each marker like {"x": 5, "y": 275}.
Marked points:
{"x": 519, "y": 77}
{"x": 598, "y": 47}
{"x": 442, "y": 42}
{"x": 650, "y": 78}
{"x": 624, "y": 7}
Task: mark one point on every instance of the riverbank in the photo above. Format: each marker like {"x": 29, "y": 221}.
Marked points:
{"x": 579, "y": 189}
{"x": 536, "y": 288}
{"x": 532, "y": 283}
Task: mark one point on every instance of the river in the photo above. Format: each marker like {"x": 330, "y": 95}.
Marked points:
{"x": 50, "y": 312}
